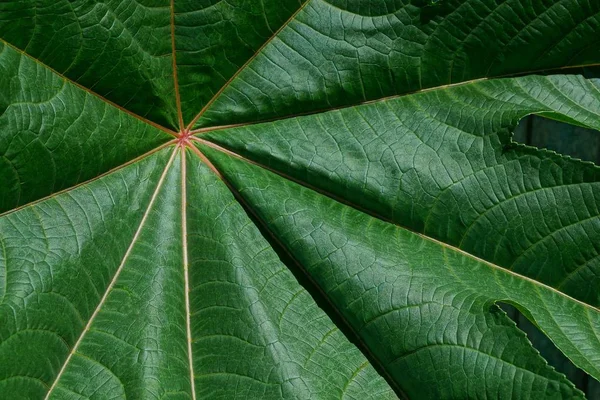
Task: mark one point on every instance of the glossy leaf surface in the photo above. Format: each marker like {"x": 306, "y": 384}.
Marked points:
{"x": 294, "y": 199}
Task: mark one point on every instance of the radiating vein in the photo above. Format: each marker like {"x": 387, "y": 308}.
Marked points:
{"x": 344, "y": 53}
{"x": 186, "y": 270}
{"x": 443, "y": 163}
{"x": 174, "y": 55}
{"x": 116, "y": 275}
{"x": 254, "y": 318}
{"x": 169, "y": 143}
{"x": 265, "y": 225}
{"x": 237, "y": 73}
{"x": 382, "y": 218}
{"x": 362, "y": 264}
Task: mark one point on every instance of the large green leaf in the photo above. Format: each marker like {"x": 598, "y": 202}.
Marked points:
{"x": 433, "y": 304}
{"x": 340, "y": 52}
{"x": 443, "y": 163}
{"x": 215, "y": 38}
{"x": 157, "y": 242}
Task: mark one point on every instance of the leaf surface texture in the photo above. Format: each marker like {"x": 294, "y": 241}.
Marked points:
{"x": 315, "y": 199}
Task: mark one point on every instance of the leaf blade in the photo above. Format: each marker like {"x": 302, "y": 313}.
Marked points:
{"x": 349, "y": 255}
{"x": 57, "y": 268}
{"x": 98, "y": 44}
{"x": 236, "y": 30}
{"x": 54, "y": 135}
{"x": 451, "y": 150}
{"x": 256, "y": 331}
{"x": 339, "y": 53}
{"x": 133, "y": 345}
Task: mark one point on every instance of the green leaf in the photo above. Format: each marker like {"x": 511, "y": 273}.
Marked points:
{"x": 250, "y": 317}
{"x": 59, "y": 258}
{"x": 55, "y": 134}
{"x": 433, "y": 304}
{"x": 442, "y": 163}
{"x": 175, "y": 227}
{"x": 119, "y": 49}
{"x": 340, "y": 52}
{"x": 210, "y": 53}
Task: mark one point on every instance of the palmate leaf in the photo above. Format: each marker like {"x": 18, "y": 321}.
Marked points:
{"x": 174, "y": 227}
{"x": 442, "y": 163}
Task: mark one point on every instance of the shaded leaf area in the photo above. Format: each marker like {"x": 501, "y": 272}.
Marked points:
{"x": 256, "y": 333}
{"x": 427, "y": 311}
{"x": 58, "y": 258}
{"x": 54, "y": 134}
{"x": 336, "y": 53}
{"x": 215, "y": 39}
{"x": 443, "y": 163}
{"x": 118, "y": 49}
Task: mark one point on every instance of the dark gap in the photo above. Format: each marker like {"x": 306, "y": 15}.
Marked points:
{"x": 579, "y": 143}
{"x": 552, "y": 354}
{"x": 529, "y": 130}
{"x": 561, "y": 137}
{"x": 433, "y": 10}
{"x": 591, "y": 71}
